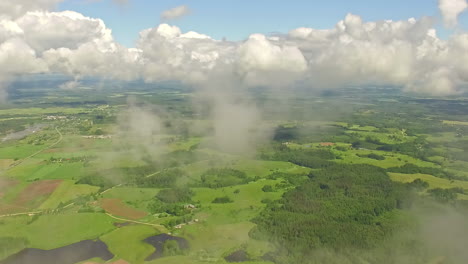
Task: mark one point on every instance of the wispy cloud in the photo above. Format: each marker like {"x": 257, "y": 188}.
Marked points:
{"x": 117, "y": 2}
{"x": 176, "y": 12}
{"x": 120, "y": 2}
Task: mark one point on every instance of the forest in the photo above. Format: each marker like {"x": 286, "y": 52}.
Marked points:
{"x": 358, "y": 186}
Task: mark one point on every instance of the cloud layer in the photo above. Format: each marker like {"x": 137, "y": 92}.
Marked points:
{"x": 405, "y": 53}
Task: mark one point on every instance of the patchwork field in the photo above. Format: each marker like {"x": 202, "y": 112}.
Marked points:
{"x": 67, "y": 192}
{"x": 26, "y": 197}
{"x": 95, "y": 173}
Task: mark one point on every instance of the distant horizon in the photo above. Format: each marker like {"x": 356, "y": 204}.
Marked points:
{"x": 420, "y": 47}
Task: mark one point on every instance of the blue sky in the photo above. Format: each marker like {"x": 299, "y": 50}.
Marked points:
{"x": 236, "y": 19}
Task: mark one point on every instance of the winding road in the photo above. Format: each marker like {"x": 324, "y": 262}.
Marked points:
{"x": 28, "y": 157}
{"x": 34, "y": 154}
{"x": 160, "y": 227}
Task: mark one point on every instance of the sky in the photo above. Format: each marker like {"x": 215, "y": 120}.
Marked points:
{"x": 236, "y": 20}
{"x": 418, "y": 45}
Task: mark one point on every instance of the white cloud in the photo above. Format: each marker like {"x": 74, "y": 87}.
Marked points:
{"x": 194, "y": 35}
{"x": 16, "y": 57}
{"x": 260, "y": 53}
{"x": 166, "y": 53}
{"x": 406, "y": 53}
{"x": 68, "y": 29}
{"x": 451, "y": 9}
{"x": 176, "y": 12}
{"x": 91, "y": 60}
{"x": 16, "y": 8}
{"x": 402, "y": 53}
{"x": 262, "y": 62}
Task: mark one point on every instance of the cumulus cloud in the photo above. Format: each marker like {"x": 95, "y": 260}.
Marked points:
{"x": 358, "y": 52}
{"x": 263, "y": 62}
{"x": 451, "y": 9}
{"x": 68, "y": 29}
{"x": 167, "y": 54}
{"x": 405, "y": 53}
{"x": 17, "y": 58}
{"x": 16, "y": 8}
{"x": 176, "y": 12}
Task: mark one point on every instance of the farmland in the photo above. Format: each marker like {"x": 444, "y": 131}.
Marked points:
{"x": 89, "y": 175}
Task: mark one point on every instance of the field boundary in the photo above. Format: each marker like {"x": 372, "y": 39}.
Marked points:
{"x": 39, "y": 151}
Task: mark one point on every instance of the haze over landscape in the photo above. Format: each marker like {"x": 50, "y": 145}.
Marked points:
{"x": 137, "y": 131}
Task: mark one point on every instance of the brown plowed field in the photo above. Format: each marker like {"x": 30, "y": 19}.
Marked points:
{"x": 5, "y": 184}
{"x": 118, "y": 208}
{"x": 36, "y": 190}
{"x": 29, "y": 198}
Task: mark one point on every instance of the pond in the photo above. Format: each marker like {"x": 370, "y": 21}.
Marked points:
{"x": 238, "y": 256}
{"x": 158, "y": 243}
{"x": 70, "y": 254}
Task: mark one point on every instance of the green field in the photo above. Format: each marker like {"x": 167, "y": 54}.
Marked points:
{"x": 317, "y": 180}
{"x": 66, "y": 192}
{"x": 434, "y": 182}
{"x": 127, "y": 243}
{"x": 57, "y": 230}
{"x": 41, "y": 111}
{"x": 253, "y": 168}
{"x": 35, "y": 169}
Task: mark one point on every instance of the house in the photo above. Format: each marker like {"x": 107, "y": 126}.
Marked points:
{"x": 190, "y": 206}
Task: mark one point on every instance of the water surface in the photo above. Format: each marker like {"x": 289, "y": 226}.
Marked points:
{"x": 70, "y": 254}
{"x": 158, "y": 243}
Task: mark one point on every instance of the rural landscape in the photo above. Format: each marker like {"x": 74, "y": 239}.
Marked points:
{"x": 216, "y": 132}
{"x": 86, "y": 180}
